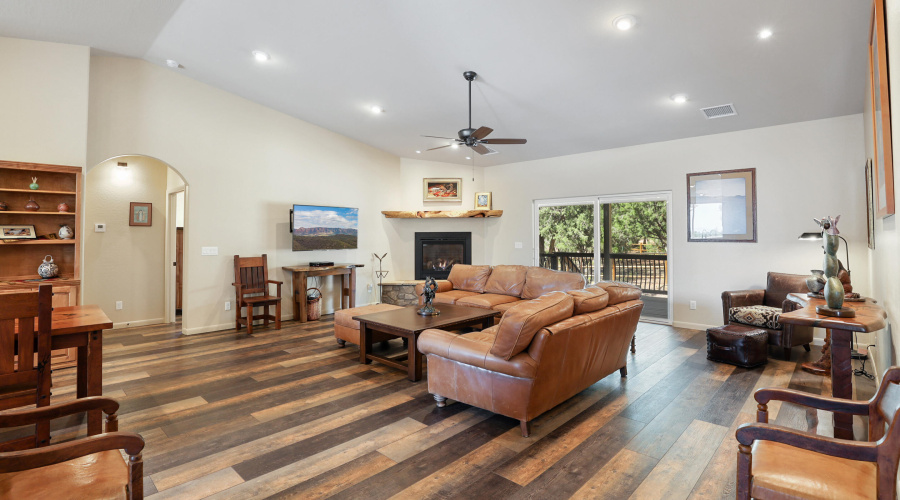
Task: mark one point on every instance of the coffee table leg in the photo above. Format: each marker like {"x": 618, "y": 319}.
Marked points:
{"x": 414, "y": 361}
{"x": 487, "y": 323}
{"x": 365, "y": 343}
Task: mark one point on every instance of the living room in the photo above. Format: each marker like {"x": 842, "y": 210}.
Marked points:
{"x": 91, "y": 88}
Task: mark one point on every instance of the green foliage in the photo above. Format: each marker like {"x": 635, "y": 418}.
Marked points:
{"x": 570, "y": 228}
{"x": 566, "y": 228}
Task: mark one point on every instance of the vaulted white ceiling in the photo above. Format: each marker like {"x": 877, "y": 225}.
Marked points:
{"x": 557, "y": 73}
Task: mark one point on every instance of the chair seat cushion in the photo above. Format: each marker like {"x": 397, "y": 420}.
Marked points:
{"x": 781, "y": 471}
{"x": 486, "y": 300}
{"x": 452, "y": 296}
{"x": 103, "y": 475}
{"x": 764, "y": 316}
{"x": 344, "y": 317}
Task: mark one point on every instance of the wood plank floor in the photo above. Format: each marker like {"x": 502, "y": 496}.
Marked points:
{"x": 288, "y": 414}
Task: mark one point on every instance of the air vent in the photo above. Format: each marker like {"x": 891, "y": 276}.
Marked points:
{"x": 720, "y": 111}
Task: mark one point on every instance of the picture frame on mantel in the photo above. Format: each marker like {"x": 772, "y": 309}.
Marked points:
{"x": 482, "y": 201}
{"x": 722, "y": 206}
{"x": 442, "y": 189}
{"x": 140, "y": 214}
{"x": 881, "y": 113}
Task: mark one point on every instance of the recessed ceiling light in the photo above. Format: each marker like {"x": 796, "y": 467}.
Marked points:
{"x": 765, "y": 33}
{"x": 418, "y": 152}
{"x": 260, "y": 56}
{"x": 377, "y": 109}
{"x": 679, "y": 98}
{"x": 172, "y": 63}
{"x": 468, "y": 157}
{"x": 625, "y": 22}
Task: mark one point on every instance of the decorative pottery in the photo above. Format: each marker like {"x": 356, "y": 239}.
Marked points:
{"x": 34, "y": 184}
{"x": 65, "y": 232}
{"x": 32, "y": 206}
{"x": 3, "y": 206}
{"x": 62, "y": 207}
{"x": 816, "y": 282}
{"x": 48, "y": 269}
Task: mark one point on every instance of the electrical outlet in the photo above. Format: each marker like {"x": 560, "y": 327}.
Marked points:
{"x": 100, "y": 227}
{"x": 118, "y": 305}
{"x": 369, "y": 288}
{"x": 518, "y": 244}
{"x": 227, "y": 305}
{"x": 693, "y": 304}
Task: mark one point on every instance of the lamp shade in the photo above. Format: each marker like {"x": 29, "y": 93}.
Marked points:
{"x": 810, "y": 236}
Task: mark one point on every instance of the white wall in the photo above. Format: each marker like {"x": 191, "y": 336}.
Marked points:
{"x": 803, "y": 170}
{"x": 245, "y": 165}
{"x": 44, "y": 98}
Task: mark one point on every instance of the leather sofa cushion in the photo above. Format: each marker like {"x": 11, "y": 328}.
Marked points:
{"x": 619, "y": 291}
{"x": 469, "y": 278}
{"x": 451, "y": 297}
{"x": 783, "y": 471}
{"x": 522, "y": 322}
{"x": 486, "y": 300}
{"x": 504, "y": 307}
{"x": 589, "y": 299}
{"x": 764, "y": 316}
{"x": 539, "y": 281}
{"x": 506, "y": 280}
{"x": 779, "y": 285}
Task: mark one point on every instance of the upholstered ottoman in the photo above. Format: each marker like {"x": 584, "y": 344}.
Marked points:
{"x": 737, "y": 345}
{"x": 346, "y": 329}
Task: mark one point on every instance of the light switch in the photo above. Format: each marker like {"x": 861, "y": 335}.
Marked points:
{"x": 209, "y": 251}
{"x": 100, "y": 227}
{"x": 518, "y": 244}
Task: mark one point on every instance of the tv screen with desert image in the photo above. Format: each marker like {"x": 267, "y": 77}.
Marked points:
{"x": 323, "y": 228}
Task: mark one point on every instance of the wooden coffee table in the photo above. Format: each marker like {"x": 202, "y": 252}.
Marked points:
{"x": 407, "y": 324}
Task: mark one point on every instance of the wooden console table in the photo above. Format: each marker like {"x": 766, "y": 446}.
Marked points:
{"x": 347, "y": 272}
{"x": 869, "y": 318}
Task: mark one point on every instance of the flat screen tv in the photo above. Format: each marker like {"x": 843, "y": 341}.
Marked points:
{"x": 323, "y": 228}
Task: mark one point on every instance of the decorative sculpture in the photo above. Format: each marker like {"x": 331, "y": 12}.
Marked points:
{"x": 429, "y": 293}
{"x": 380, "y": 275}
{"x": 834, "y": 289}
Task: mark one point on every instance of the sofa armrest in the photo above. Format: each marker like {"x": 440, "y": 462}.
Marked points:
{"x": 473, "y": 353}
{"x": 442, "y": 286}
{"x": 741, "y": 298}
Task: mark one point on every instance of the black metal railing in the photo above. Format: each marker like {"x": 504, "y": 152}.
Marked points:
{"x": 648, "y": 271}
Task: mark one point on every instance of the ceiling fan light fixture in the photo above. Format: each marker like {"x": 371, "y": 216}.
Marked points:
{"x": 624, "y": 23}
{"x": 454, "y": 146}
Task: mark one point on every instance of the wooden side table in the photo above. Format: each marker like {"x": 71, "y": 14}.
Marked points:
{"x": 347, "y": 272}
{"x": 869, "y": 318}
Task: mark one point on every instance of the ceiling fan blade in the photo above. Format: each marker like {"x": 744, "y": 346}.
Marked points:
{"x": 481, "y": 149}
{"x": 505, "y": 141}
{"x": 482, "y": 132}
{"x": 439, "y": 147}
{"x": 439, "y": 137}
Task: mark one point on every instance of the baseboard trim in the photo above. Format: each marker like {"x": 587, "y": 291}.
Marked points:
{"x": 692, "y": 326}
{"x": 873, "y": 355}
{"x": 140, "y": 322}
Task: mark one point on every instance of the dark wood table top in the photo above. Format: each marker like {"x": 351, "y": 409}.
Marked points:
{"x": 869, "y": 315}
{"x": 407, "y": 319}
{"x": 307, "y": 267}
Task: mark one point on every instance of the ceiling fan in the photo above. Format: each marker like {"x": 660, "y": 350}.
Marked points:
{"x": 475, "y": 138}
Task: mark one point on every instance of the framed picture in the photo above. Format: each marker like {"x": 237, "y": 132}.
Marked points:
{"x": 141, "y": 214}
{"x": 482, "y": 201}
{"x": 881, "y": 113}
{"x": 18, "y": 232}
{"x": 442, "y": 189}
{"x": 870, "y": 203}
{"x": 722, "y": 206}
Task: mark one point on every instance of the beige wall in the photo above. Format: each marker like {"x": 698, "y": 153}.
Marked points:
{"x": 804, "y": 170}
{"x": 125, "y": 263}
{"x": 245, "y": 165}
{"x": 44, "y": 98}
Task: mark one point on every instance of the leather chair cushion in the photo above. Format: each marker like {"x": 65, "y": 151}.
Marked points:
{"x": 487, "y": 335}
{"x": 619, "y": 291}
{"x": 506, "y": 280}
{"x": 763, "y": 316}
{"x": 539, "y": 281}
{"x": 522, "y": 322}
{"x": 486, "y": 300}
{"x": 344, "y": 317}
{"x": 781, "y": 471}
{"x": 451, "y": 297}
{"x": 589, "y": 299}
{"x": 469, "y": 278}
{"x": 102, "y": 475}
{"x": 779, "y": 285}
{"x": 505, "y": 307}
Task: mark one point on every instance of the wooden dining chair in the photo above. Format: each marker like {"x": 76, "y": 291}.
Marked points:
{"x": 251, "y": 289}
{"x": 24, "y": 377}
{"x": 779, "y": 462}
{"x": 90, "y": 467}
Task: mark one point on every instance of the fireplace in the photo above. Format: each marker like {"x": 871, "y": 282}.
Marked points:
{"x": 437, "y": 252}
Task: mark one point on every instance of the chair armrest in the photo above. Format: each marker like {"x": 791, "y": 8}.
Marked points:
{"x": 851, "y": 450}
{"x": 15, "y": 461}
{"x": 275, "y": 282}
{"x": 741, "y": 298}
{"x": 15, "y": 418}
{"x": 469, "y": 352}
{"x": 763, "y": 396}
{"x": 239, "y": 285}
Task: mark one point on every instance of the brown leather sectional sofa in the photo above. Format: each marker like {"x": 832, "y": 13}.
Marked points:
{"x": 543, "y": 352}
{"x": 499, "y": 287}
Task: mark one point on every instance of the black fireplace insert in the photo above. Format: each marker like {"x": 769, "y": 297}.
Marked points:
{"x": 437, "y": 252}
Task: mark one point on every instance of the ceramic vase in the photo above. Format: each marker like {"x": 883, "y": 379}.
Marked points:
{"x": 65, "y": 232}
{"x": 62, "y": 207}
{"x": 32, "y": 206}
{"x": 34, "y": 184}
{"x": 48, "y": 269}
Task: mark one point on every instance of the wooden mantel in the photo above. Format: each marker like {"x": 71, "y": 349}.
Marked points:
{"x": 428, "y": 214}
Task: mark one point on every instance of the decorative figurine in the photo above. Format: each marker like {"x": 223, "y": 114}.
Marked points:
{"x": 3, "y": 207}
{"x": 834, "y": 289}
{"x": 32, "y": 205}
{"x": 34, "y": 184}
{"x": 816, "y": 282}
{"x": 429, "y": 293}
{"x": 62, "y": 207}
{"x": 65, "y": 232}
{"x": 380, "y": 275}
{"x": 48, "y": 269}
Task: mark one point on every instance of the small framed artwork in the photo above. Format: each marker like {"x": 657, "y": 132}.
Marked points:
{"x": 141, "y": 214}
{"x": 442, "y": 189}
{"x": 722, "y": 206}
{"x": 482, "y": 201}
{"x": 18, "y": 232}
{"x": 870, "y": 203}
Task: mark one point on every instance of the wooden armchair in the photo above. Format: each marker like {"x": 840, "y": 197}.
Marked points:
{"x": 90, "y": 467}
{"x": 24, "y": 380}
{"x": 251, "y": 289}
{"x": 779, "y": 462}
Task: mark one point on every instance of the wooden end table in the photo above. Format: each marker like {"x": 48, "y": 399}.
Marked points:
{"x": 299, "y": 275}
{"x": 407, "y": 324}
